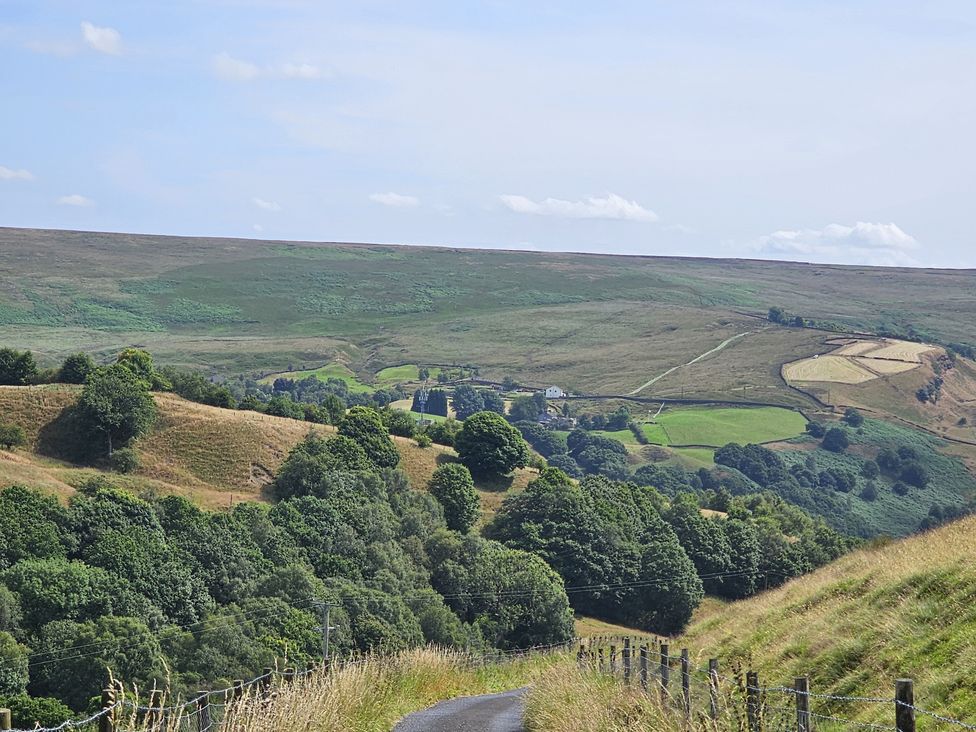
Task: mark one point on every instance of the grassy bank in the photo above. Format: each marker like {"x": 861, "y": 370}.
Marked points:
{"x": 370, "y": 696}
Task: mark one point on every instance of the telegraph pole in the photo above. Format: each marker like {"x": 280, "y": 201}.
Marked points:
{"x": 326, "y": 629}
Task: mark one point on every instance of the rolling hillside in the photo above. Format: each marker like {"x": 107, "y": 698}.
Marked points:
{"x": 215, "y": 456}
{"x": 593, "y": 323}
{"x": 902, "y": 609}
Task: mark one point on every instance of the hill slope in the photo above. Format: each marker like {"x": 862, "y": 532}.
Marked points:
{"x": 904, "y": 609}
{"x": 263, "y": 306}
{"x": 215, "y": 456}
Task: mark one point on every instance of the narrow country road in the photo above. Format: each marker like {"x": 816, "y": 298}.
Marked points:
{"x": 706, "y": 354}
{"x": 488, "y": 713}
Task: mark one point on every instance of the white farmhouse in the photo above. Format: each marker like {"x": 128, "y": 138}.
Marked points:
{"x": 554, "y": 392}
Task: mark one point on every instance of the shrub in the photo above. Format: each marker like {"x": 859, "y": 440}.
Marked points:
{"x": 899, "y": 489}
{"x": 11, "y": 436}
{"x": 423, "y": 440}
{"x": 816, "y": 429}
{"x": 853, "y": 417}
{"x": 124, "y": 460}
{"x": 488, "y": 445}
{"x": 76, "y": 368}
{"x": 836, "y": 440}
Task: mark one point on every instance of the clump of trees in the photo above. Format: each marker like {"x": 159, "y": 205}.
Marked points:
{"x": 453, "y": 487}
{"x": 468, "y": 400}
{"x": 17, "y": 368}
{"x": 11, "y": 436}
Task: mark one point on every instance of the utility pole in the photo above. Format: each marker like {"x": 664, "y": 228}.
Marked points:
{"x": 326, "y": 628}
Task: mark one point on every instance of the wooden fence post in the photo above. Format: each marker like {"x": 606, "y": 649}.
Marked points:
{"x": 288, "y": 675}
{"x": 665, "y": 670}
{"x": 602, "y": 659}
{"x": 238, "y": 689}
{"x": 643, "y": 667}
{"x": 580, "y": 657}
{"x": 686, "y": 681}
{"x": 802, "y": 686}
{"x": 713, "y": 687}
{"x": 106, "y": 723}
{"x": 752, "y": 701}
{"x": 264, "y": 685}
{"x": 203, "y": 711}
{"x": 154, "y": 717}
{"x": 5, "y": 722}
{"x": 904, "y": 705}
{"x": 627, "y": 660}
{"x": 613, "y": 660}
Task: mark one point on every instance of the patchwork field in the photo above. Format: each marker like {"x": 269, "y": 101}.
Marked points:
{"x": 856, "y": 362}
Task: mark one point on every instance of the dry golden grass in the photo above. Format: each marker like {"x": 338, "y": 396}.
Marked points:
{"x": 213, "y": 456}
{"x": 370, "y": 696}
{"x": 901, "y": 351}
{"x": 900, "y": 609}
{"x": 827, "y": 368}
{"x": 589, "y": 627}
{"x": 884, "y": 366}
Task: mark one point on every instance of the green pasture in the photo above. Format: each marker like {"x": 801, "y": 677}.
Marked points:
{"x": 324, "y": 373}
{"x": 717, "y": 426}
{"x": 406, "y": 373}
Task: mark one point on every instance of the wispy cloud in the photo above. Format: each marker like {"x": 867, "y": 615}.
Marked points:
{"x": 76, "y": 199}
{"x": 396, "y": 200}
{"x": 102, "y": 39}
{"x": 610, "y": 206}
{"x": 11, "y": 174}
{"x": 266, "y": 205}
{"x": 228, "y": 68}
{"x": 862, "y": 243}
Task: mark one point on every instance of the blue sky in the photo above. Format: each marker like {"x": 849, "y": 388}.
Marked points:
{"x": 824, "y": 131}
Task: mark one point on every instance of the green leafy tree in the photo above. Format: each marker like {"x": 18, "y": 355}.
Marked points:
{"x": 313, "y": 463}
{"x": 466, "y": 401}
{"x": 16, "y": 368}
{"x": 11, "y": 436}
{"x": 836, "y": 440}
{"x": 744, "y": 557}
{"x": 55, "y": 589}
{"x": 32, "y": 526}
{"x": 853, "y": 417}
{"x": 116, "y": 403}
{"x": 13, "y": 666}
{"x": 703, "y": 540}
{"x": 365, "y": 426}
{"x": 488, "y": 445}
{"x": 453, "y": 487}
{"x": 669, "y": 588}
{"x": 140, "y": 364}
{"x": 123, "y": 645}
{"x": 443, "y": 433}
{"x": 76, "y": 368}
{"x": 399, "y": 422}
{"x": 30, "y": 712}
{"x": 524, "y": 409}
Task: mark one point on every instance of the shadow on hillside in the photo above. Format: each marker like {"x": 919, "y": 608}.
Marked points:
{"x": 68, "y": 437}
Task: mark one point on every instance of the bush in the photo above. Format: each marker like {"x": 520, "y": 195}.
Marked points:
{"x": 853, "y": 417}
{"x": 75, "y": 369}
{"x": 899, "y": 489}
{"x": 423, "y": 440}
{"x": 124, "y": 460}
{"x": 914, "y": 473}
{"x": 870, "y": 491}
{"x": 816, "y": 429}
{"x": 836, "y": 440}
{"x": 11, "y": 436}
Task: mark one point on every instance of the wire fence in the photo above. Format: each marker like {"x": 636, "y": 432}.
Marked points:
{"x": 691, "y": 691}
{"x": 205, "y": 711}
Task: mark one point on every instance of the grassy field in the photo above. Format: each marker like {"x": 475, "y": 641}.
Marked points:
{"x": 715, "y": 426}
{"x": 214, "y": 456}
{"x": 900, "y": 609}
{"x": 241, "y": 306}
{"x": 323, "y": 373}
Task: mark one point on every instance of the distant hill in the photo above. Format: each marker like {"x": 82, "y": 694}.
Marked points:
{"x": 593, "y": 323}
{"x": 902, "y": 609}
{"x": 214, "y": 456}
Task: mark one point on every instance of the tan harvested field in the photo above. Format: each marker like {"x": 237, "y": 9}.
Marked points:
{"x": 214, "y": 456}
{"x": 901, "y": 351}
{"x": 856, "y": 348}
{"x": 885, "y": 366}
{"x": 827, "y": 368}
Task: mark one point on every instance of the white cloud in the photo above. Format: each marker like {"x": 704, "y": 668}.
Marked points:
{"x": 862, "y": 243}
{"x": 103, "y": 40}
{"x": 10, "y": 174}
{"x": 301, "y": 71}
{"x": 397, "y": 200}
{"x": 257, "y": 227}
{"x": 75, "y": 199}
{"x": 266, "y": 205}
{"x": 592, "y": 207}
{"x": 231, "y": 69}
{"x": 228, "y": 68}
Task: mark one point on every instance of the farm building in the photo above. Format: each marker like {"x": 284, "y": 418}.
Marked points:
{"x": 554, "y": 392}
